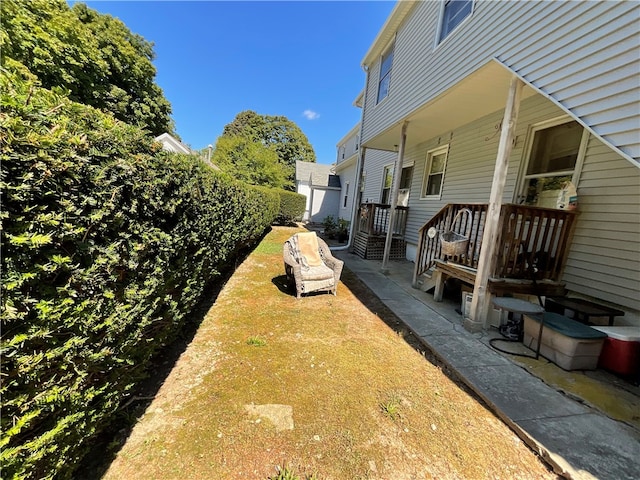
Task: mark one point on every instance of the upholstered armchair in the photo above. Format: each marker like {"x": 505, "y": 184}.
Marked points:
{"x": 309, "y": 264}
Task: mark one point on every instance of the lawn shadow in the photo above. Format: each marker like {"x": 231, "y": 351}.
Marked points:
{"x": 107, "y": 444}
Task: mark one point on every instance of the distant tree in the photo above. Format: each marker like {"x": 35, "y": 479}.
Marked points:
{"x": 276, "y": 132}
{"x": 95, "y": 57}
{"x": 249, "y": 161}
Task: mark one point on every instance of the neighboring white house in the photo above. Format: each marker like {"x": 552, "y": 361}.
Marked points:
{"x": 439, "y": 76}
{"x": 321, "y": 186}
{"x": 345, "y": 168}
{"x": 172, "y": 144}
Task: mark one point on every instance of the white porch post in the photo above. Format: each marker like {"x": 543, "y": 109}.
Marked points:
{"x": 397, "y": 174}
{"x": 481, "y": 297}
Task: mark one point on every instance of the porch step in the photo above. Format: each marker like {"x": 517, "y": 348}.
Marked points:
{"x": 426, "y": 282}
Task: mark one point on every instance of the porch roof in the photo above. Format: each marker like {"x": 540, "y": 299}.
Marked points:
{"x": 479, "y": 94}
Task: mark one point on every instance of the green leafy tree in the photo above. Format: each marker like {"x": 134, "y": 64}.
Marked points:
{"x": 276, "y": 132}
{"x": 95, "y": 57}
{"x": 249, "y": 161}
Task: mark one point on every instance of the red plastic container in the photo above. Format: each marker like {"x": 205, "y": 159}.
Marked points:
{"x": 621, "y": 350}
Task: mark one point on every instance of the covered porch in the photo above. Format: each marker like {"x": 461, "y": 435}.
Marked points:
{"x": 372, "y": 228}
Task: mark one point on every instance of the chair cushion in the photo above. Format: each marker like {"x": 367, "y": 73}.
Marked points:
{"x": 320, "y": 272}
{"x": 309, "y": 249}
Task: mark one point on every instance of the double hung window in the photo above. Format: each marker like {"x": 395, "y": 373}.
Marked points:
{"x": 434, "y": 173}
{"x": 454, "y": 12}
{"x": 552, "y": 163}
{"x": 385, "y": 74}
{"x": 387, "y": 182}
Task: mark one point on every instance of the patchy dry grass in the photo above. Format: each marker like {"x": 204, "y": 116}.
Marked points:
{"x": 321, "y": 387}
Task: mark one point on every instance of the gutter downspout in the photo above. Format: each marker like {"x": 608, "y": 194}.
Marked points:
{"x": 359, "y": 170}
{"x": 397, "y": 174}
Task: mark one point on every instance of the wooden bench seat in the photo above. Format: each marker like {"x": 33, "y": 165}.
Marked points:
{"x": 497, "y": 286}
{"x": 582, "y": 309}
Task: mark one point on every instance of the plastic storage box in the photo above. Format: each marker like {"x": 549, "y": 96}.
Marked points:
{"x": 621, "y": 350}
{"x": 569, "y": 344}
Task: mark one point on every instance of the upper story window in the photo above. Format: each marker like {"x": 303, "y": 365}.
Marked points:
{"x": 434, "y": 173}
{"x": 454, "y": 12}
{"x": 385, "y": 74}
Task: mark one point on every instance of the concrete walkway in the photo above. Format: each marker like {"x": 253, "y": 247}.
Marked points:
{"x": 579, "y": 442}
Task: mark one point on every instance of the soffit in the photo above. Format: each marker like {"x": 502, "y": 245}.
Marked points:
{"x": 388, "y": 31}
{"x": 483, "y": 92}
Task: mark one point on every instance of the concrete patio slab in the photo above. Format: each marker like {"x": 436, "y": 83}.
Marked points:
{"x": 460, "y": 350}
{"x": 518, "y": 394}
{"x": 589, "y": 446}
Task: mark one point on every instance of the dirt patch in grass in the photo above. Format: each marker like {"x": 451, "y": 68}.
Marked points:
{"x": 331, "y": 386}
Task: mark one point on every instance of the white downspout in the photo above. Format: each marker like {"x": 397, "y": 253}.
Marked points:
{"x": 359, "y": 170}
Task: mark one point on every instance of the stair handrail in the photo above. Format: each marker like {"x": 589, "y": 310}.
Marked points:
{"x": 429, "y": 248}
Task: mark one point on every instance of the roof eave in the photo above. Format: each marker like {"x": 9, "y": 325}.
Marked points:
{"x": 388, "y": 30}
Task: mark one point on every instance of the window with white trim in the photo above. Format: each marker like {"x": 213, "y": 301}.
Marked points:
{"x": 387, "y": 182}
{"x": 346, "y": 195}
{"x": 454, "y": 12}
{"x": 386, "y": 63}
{"x": 554, "y": 155}
{"x": 434, "y": 172}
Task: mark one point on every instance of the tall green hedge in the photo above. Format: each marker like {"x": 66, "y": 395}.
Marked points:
{"x": 292, "y": 206}
{"x": 107, "y": 245}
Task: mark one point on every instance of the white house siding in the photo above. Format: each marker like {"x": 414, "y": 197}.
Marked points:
{"x": 348, "y": 146}
{"x": 374, "y": 162}
{"x": 325, "y": 202}
{"x": 583, "y": 55}
{"x": 304, "y": 189}
{"x": 604, "y": 260}
{"x": 347, "y": 172}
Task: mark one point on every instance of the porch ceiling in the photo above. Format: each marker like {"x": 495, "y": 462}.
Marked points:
{"x": 481, "y": 93}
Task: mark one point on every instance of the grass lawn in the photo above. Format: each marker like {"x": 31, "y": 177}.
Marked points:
{"x": 324, "y": 386}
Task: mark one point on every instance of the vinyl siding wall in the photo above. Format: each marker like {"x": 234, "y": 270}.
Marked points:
{"x": 348, "y": 148}
{"x": 348, "y": 182}
{"x": 582, "y": 55}
{"x": 374, "y": 163}
{"x": 605, "y": 258}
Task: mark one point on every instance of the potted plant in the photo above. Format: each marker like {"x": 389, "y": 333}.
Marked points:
{"x": 330, "y": 226}
{"x": 342, "y": 230}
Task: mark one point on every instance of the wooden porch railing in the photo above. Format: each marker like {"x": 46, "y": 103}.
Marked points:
{"x": 373, "y": 219}
{"x": 534, "y": 237}
{"x": 429, "y": 246}
{"x": 529, "y": 236}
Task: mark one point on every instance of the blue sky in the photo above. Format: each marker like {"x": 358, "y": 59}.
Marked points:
{"x": 300, "y": 59}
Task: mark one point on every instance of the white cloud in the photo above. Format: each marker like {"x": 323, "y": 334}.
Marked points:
{"x": 311, "y": 115}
